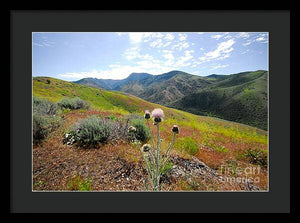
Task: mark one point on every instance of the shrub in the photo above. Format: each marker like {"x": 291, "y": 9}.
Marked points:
{"x": 44, "y": 106}
{"x": 142, "y": 131}
{"x": 44, "y": 119}
{"x": 81, "y": 103}
{"x": 257, "y": 156}
{"x": 91, "y": 131}
{"x": 73, "y": 103}
{"x": 40, "y": 127}
{"x": 87, "y": 132}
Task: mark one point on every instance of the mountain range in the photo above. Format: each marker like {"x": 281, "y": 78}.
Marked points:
{"x": 240, "y": 97}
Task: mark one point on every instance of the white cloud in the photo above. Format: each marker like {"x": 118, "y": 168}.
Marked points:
{"x": 247, "y": 43}
{"x": 262, "y": 38}
{"x": 219, "y": 36}
{"x": 200, "y": 33}
{"x": 132, "y": 53}
{"x": 216, "y": 36}
{"x": 169, "y": 56}
{"x": 148, "y": 36}
{"x": 188, "y": 52}
{"x": 221, "y": 52}
{"x": 136, "y": 37}
{"x": 169, "y": 36}
{"x": 121, "y": 33}
{"x": 244, "y": 35}
{"x": 167, "y": 44}
{"x": 182, "y": 36}
{"x": 158, "y": 43}
{"x": 227, "y": 37}
{"x": 184, "y": 61}
{"x": 219, "y": 66}
{"x": 181, "y": 45}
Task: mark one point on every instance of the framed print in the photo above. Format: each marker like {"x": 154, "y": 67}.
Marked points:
{"x": 171, "y": 111}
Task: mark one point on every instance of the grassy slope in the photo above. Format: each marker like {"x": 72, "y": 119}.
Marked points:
{"x": 211, "y": 135}
{"x": 165, "y": 88}
{"x": 117, "y": 102}
{"x": 242, "y": 98}
{"x": 238, "y": 97}
{"x": 174, "y": 88}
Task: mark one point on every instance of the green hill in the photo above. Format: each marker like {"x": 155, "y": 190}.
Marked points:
{"x": 240, "y": 97}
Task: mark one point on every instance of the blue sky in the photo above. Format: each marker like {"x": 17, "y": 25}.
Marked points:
{"x": 115, "y": 55}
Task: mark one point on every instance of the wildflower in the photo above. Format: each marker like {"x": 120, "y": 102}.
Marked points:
{"x": 147, "y": 114}
{"x": 175, "y": 129}
{"x": 146, "y": 147}
{"x": 131, "y": 129}
{"x": 157, "y": 114}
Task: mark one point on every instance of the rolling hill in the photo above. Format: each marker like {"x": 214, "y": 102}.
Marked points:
{"x": 240, "y": 97}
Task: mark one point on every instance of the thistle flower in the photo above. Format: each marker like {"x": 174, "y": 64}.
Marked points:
{"x": 175, "y": 129}
{"x": 147, "y": 114}
{"x": 146, "y": 147}
{"x": 157, "y": 114}
{"x": 131, "y": 129}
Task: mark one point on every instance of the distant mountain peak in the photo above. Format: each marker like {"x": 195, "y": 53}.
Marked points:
{"x": 138, "y": 76}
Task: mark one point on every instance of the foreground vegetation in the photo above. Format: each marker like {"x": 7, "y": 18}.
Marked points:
{"x": 216, "y": 142}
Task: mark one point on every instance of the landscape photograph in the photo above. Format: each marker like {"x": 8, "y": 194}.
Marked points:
{"x": 150, "y": 111}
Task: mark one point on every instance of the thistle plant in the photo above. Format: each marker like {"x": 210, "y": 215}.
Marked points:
{"x": 152, "y": 155}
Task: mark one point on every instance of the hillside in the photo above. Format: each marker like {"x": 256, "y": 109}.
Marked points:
{"x": 241, "y": 97}
{"x": 203, "y": 147}
{"x": 161, "y": 89}
{"x": 238, "y": 97}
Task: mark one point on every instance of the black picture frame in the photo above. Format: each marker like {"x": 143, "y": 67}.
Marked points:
{"x": 24, "y": 22}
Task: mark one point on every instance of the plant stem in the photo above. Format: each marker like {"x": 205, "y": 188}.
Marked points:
{"x": 168, "y": 152}
{"x": 158, "y": 157}
{"x": 153, "y": 144}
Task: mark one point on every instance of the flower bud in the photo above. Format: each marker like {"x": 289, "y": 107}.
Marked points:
{"x": 175, "y": 129}
{"x": 157, "y": 119}
{"x": 131, "y": 129}
{"x": 147, "y": 114}
{"x": 157, "y": 114}
{"x": 146, "y": 147}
